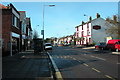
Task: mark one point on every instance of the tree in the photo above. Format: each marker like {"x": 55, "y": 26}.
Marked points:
{"x": 113, "y": 28}
{"x": 35, "y": 35}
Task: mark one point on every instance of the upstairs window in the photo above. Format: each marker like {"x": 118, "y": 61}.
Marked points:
{"x": 82, "y": 33}
{"x": 77, "y": 29}
{"x": 82, "y": 27}
{"x": 15, "y": 21}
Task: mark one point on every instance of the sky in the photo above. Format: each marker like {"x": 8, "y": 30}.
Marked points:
{"x": 62, "y": 19}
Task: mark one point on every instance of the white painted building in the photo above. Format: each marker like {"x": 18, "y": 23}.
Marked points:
{"x": 93, "y": 31}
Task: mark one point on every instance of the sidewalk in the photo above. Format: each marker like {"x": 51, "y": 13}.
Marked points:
{"x": 26, "y": 66}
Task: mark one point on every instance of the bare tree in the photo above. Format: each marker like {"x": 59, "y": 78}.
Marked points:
{"x": 113, "y": 28}
{"x": 35, "y": 35}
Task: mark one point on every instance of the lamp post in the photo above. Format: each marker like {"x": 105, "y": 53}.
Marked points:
{"x": 42, "y": 32}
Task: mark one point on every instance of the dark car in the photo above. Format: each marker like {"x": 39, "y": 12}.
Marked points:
{"x": 101, "y": 45}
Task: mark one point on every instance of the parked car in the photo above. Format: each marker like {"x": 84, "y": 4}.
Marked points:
{"x": 101, "y": 45}
{"x": 114, "y": 44}
{"x": 48, "y": 46}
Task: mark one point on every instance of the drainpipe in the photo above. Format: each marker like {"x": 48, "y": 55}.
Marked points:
{"x": 10, "y": 43}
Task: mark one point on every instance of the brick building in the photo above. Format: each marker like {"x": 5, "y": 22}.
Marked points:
{"x": 10, "y": 30}
{"x": 28, "y": 33}
{"x": 23, "y": 30}
{"x": 16, "y": 30}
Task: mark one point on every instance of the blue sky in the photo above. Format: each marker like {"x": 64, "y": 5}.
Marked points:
{"x": 62, "y": 19}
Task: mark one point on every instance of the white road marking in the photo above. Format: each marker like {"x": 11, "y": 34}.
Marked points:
{"x": 92, "y": 56}
{"x": 85, "y": 64}
{"x": 98, "y": 58}
{"x": 96, "y": 70}
{"x": 74, "y": 59}
{"x": 117, "y": 63}
{"x": 110, "y": 77}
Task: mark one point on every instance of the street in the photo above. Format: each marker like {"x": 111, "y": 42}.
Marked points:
{"x": 76, "y": 63}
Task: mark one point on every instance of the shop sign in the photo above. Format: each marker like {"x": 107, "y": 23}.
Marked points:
{"x": 96, "y": 27}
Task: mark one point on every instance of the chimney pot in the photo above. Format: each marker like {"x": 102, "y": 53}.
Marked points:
{"x": 98, "y": 15}
{"x": 90, "y": 18}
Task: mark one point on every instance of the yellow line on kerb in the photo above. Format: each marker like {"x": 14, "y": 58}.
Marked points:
{"x": 96, "y": 70}
{"x": 58, "y": 75}
{"x": 110, "y": 77}
{"x": 57, "y": 72}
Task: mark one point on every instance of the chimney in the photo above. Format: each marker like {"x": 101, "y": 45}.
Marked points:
{"x": 114, "y": 18}
{"x": 90, "y": 18}
{"x": 97, "y": 15}
{"x": 82, "y": 22}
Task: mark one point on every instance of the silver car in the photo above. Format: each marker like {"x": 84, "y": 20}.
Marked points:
{"x": 48, "y": 46}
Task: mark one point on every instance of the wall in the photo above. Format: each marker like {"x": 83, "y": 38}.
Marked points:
{"x": 6, "y": 27}
{"x": 99, "y": 35}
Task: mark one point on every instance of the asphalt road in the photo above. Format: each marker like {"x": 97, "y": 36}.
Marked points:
{"x": 85, "y": 64}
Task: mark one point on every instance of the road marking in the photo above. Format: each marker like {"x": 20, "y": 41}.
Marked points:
{"x": 117, "y": 63}
{"x": 100, "y": 58}
{"x": 92, "y": 56}
{"x": 74, "y": 59}
{"x": 65, "y": 57}
{"x": 110, "y": 77}
{"x": 96, "y": 70}
{"x": 85, "y": 64}
{"x": 58, "y": 57}
{"x": 58, "y": 75}
{"x": 57, "y": 72}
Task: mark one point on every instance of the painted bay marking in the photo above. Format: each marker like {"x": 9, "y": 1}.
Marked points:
{"x": 96, "y": 70}
{"x": 92, "y": 56}
{"x": 117, "y": 63}
{"x": 100, "y": 58}
{"x": 110, "y": 77}
{"x": 85, "y": 64}
{"x": 74, "y": 59}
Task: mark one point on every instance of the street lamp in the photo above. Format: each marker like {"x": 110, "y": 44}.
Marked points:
{"x": 42, "y": 32}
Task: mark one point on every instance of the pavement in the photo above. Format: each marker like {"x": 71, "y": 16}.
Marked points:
{"x": 26, "y": 66}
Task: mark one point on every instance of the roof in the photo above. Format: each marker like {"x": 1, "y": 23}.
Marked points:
{"x": 21, "y": 11}
{"x": 2, "y": 6}
{"x": 88, "y": 22}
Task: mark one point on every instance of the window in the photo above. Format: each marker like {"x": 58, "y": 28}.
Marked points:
{"x": 15, "y": 21}
{"x": 82, "y": 33}
{"x": 87, "y": 26}
{"x": 77, "y": 29}
{"x": 76, "y": 34}
{"x": 82, "y": 27}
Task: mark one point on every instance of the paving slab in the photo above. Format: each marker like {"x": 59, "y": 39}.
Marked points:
{"x": 26, "y": 66}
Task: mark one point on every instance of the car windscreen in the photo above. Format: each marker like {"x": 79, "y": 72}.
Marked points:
{"x": 47, "y": 44}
